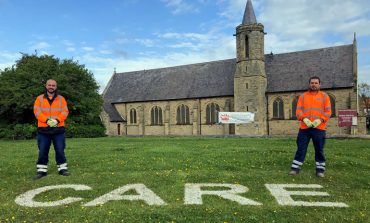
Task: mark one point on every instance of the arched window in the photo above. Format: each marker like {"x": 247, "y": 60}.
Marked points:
{"x": 246, "y": 46}
{"x": 294, "y": 107}
{"x": 332, "y": 103}
{"x": 156, "y": 116}
{"x": 212, "y": 113}
{"x": 278, "y": 109}
{"x": 133, "y": 116}
{"x": 183, "y": 115}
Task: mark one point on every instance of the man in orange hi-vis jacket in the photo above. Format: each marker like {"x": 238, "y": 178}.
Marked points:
{"x": 51, "y": 111}
{"x": 313, "y": 112}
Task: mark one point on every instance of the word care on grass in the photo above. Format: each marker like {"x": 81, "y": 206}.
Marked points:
{"x": 192, "y": 195}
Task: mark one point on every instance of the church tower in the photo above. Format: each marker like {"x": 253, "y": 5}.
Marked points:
{"x": 250, "y": 81}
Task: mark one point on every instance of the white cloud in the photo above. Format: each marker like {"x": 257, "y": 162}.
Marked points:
{"x": 119, "y": 31}
{"x": 40, "y": 46}
{"x": 312, "y": 20}
{"x": 364, "y": 74}
{"x": 180, "y": 6}
{"x": 183, "y": 45}
{"x": 67, "y": 43}
{"x": 145, "y": 42}
{"x": 182, "y": 36}
{"x": 303, "y": 24}
{"x": 170, "y": 35}
{"x": 121, "y": 40}
{"x": 276, "y": 44}
{"x": 234, "y": 9}
{"x": 360, "y": 26}
{"x": 105, "y": 52}
{"x": 223, "y": 47}
{"x": 87, "y": 49}
{"x": 103, "y": 67}
{"x": 70, "y": 49}
{"x": 44, "y": 52}
{"x": 8, "y": 59}
{"x": 191, "y": 41}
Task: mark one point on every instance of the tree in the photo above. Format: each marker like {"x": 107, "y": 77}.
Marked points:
{"x": 364, "y": 93}
{"x": 24, "y": 81}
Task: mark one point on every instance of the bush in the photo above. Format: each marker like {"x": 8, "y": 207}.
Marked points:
{"x": 24, "y": 131}
{"x": 18, "y": 131}
{"x": 29, "y": 131}
{"x": 6, "y": 132}
{"x": 84, "y": 131}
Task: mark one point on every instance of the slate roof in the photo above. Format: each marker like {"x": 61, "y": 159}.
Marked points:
{"x": 285, "y": 72}
{"x": 112, "y": 112}
{"x": 291, "y": 71}
{"x": 202, "y": 80}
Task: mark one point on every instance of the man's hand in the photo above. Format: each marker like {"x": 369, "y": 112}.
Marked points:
{"x": 308, "y": 122}
{"x": 316, "y": 123}
{"x": 52, "y": 122}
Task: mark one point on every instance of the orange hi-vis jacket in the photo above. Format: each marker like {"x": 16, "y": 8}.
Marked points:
{"x": 313, "y": 105}
{"x": 43, "y": 110}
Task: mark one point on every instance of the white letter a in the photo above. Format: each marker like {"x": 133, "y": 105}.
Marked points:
{"x": 144, "y": 194}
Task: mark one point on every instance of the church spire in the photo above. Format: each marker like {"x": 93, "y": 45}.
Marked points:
{"x": 249, "y": 16}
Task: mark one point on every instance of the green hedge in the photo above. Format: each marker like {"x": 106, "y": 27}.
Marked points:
{"x": 85, "y": 131}
{"x": 29, "y": 131}
{"x": 18, "y": 131}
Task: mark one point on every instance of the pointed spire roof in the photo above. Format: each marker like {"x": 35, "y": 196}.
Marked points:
{"x": 249, "y": 16}
{"x": 354, "y": 37}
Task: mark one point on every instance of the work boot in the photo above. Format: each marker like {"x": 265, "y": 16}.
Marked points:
{"x": 39, "y": 175}
{"x": 320, "y": 174}
{"x": 64, "y": 173}
{"x": 293, "y": 172}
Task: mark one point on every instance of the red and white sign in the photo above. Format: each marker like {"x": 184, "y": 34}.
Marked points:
{"x": 347, "y": 117}
{"x": 235, "y": 117}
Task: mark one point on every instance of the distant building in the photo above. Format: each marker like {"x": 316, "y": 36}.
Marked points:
{"x": 184, "y": 100}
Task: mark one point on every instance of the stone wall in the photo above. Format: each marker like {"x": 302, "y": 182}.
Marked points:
{"x": 288, "y": 126}
{"x": 291, "y": 127}
{"x": 111, "y": 128}
{"x": 197, "y": 113}
{"x": 197, "y": 118}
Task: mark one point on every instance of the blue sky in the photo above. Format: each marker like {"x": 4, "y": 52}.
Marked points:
{"x": 129, "y": 35}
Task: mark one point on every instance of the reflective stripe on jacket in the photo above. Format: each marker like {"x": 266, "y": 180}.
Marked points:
{"x": 43, "y": 110}
{"x": 313, "y": 105}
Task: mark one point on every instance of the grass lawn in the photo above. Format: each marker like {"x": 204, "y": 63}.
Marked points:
{"x": 165, "y": 164}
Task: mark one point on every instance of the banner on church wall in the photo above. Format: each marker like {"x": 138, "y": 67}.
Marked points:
{"x": 235, "y": 117}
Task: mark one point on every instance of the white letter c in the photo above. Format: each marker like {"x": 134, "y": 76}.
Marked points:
{"x": 26, "y": 199}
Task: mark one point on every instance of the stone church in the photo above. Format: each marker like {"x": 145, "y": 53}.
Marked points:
{"x": 185, "y": 100}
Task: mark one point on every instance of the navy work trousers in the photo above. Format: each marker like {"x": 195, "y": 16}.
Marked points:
{"x": 44, "y": 143}
{"x": 303, "y": 139}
